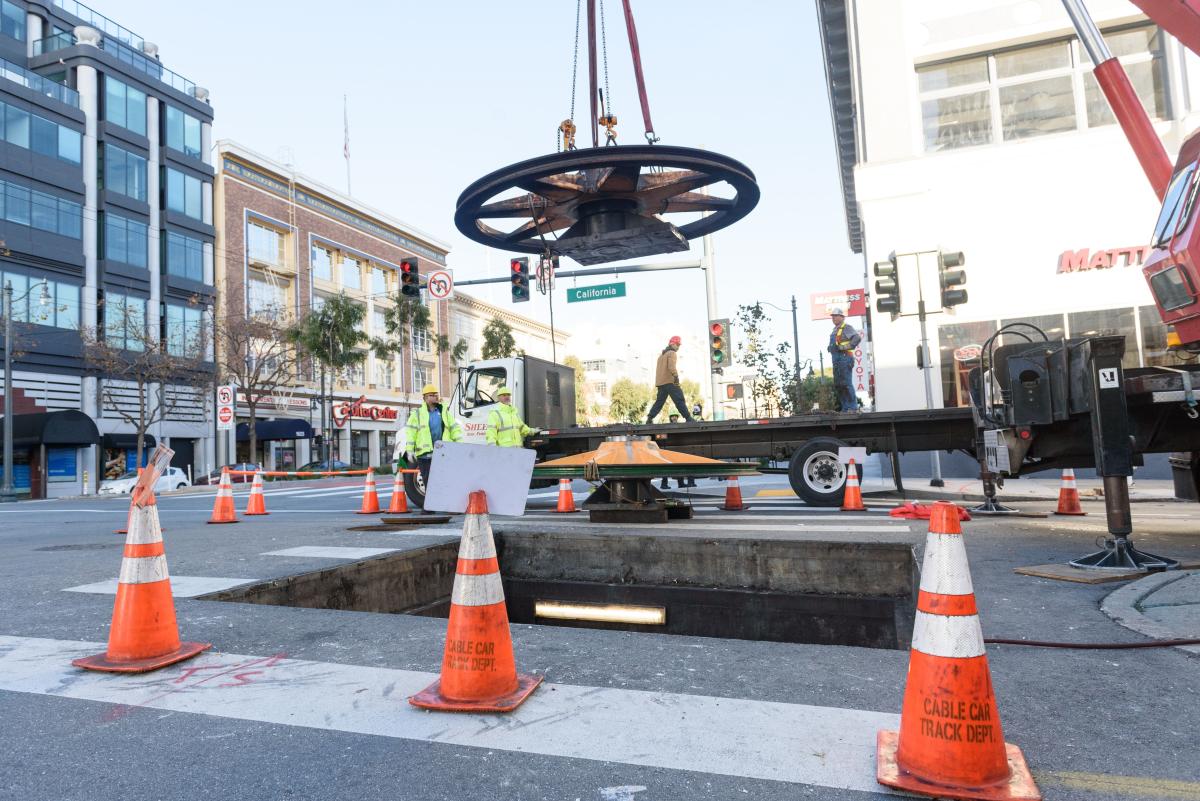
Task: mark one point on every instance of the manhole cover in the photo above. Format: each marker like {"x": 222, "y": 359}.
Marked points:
{"x": 417, "y": 520}
{"x": 93, "y": 546}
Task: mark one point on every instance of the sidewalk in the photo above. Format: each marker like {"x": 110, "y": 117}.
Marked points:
{"x": 1162, "y": 606}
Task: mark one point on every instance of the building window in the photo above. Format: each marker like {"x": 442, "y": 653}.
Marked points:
{"x": 265, "y": 245}
{"x": 24, "y": 206}
{"x": 60, "y": 311}
{"x": 12, "y": 20}
{"x": 422, "y": 375}
{"x": 378, "y": 323}
{"x": 322, "y": 263}
{"x": 182, "y": 132}
{"x": 602, "y": 388}
{"x": 124, "y": 172}
{"x": 124, "y": 105}
{"x": 594, "y": 366}
{"x": 1107, "y": 322}
{"x": 383, "y": 373}
{"x": 959, "y": 348}
{"x": 267, "y": 295}
{"x": 184, "y": 256}
{"x": 42, "y": 136}
{"x": 379, "y": 281}
{"x": 1034, "y": 90}
{"x": 125, "y": 321}
{"x": 351, "y": 272}
{"x": 184, "y": 194}
{"x": 420, "y": 339}
{"x": 185, "y": 330}
{"x": 1154, "y": 340}
{"x": 125, "y": 240}
{"x": 355, "y": 374}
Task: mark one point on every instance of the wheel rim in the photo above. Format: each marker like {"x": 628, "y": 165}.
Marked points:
{"x": 823, "y": 472}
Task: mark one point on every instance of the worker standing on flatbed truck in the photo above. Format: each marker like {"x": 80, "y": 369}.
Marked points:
{"x": 842, "y": 341}
{"x": 666, "y": 378}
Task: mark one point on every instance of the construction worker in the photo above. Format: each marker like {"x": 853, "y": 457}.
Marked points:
{"x": 666, "y": 378}
{"x": 427, "y": 424}
{"x": 842, "y": 341}
{"x": 504, "y": 425}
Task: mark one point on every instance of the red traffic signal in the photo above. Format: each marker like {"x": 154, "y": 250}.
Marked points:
{"x": 520, "y": 279}
{"x": 716, "y": 328}
{"x": 410, "y": 278}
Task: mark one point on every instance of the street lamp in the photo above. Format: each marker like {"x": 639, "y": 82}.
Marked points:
{"x": 795, "y": 352}
{"x": 7, "y": 494}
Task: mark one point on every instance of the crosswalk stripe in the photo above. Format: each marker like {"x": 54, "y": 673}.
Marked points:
{"x": 764, "y": 740}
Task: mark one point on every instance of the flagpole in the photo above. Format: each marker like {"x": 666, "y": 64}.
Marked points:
{"x": 346, "y": 140}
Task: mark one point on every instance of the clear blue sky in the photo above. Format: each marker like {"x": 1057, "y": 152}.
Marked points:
{"x": 442, "y": 93}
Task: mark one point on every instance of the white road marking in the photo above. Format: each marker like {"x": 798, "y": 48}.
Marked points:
{"x": 323, "y": 552}
{"x": 700, "y": 527}
{"x": 767, "y": 740}
{"x": 181, "y": 586}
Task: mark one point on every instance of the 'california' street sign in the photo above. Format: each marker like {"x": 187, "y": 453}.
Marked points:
{"x": 597, "y": 292}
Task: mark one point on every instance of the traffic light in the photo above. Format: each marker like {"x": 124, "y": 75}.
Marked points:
{"x": 734, "y": 391}
{"x": 718, "y": 344}
{"x": 951, "y": 279}
{"x": 410, "y": 278}
{"x": 520, "y": 279}
{"x": 887, "y": 287}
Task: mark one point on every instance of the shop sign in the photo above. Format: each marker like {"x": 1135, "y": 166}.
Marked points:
{"x": 347, "y": 409}
{"x": 1078, "y": 261}
{"x": 853, "y": 301}
{"x": 863, "y": 372}
{"x": 290, "y": 402}
{"x": 967, "y": 353}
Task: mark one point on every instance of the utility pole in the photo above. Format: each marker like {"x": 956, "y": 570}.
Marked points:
{"x": 935, "y": 462}
{"x": 709, "y": 263}
{"x": 796, "y": 354}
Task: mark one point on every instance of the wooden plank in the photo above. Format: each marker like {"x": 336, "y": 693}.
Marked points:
{"x": 1064, "y": 572}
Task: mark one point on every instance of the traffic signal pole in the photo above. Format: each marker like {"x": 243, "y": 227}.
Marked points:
{"x": 709, "y": 265}
{"x": 935, "y": 462}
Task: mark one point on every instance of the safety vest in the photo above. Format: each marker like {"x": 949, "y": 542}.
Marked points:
{"x": 842, "y": 345}
{"x": 506, "y": 428}
{"x": 418, "y": 438}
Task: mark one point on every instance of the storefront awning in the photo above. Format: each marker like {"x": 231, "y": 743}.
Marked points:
{"x": 53, "y": 429}
{"x": 128, "y": 442}
{"x": 283, "y": 428}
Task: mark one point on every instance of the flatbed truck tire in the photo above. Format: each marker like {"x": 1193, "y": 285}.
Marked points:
{"x": 815, "y": 473}
{"x": 414, "y": 488}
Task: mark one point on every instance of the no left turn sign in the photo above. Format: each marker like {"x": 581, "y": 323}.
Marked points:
{"x": 441, "y": 285}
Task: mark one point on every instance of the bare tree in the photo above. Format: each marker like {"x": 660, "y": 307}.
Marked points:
{"x": 144, "y": 379}
{"x": 259, "y": 355}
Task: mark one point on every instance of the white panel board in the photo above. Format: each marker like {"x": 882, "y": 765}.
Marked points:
{"x": 459, "y": 469}
{"x": 859, "y": 455}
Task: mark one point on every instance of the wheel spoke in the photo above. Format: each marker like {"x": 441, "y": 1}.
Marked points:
{"x": 554, "y": 187}
{"x": 696, "y": 201}
{"x": 524, "y": 206}
{"x": 532, "y": 228}
{"x": 657, "y": 187}
{"x": 619, "y": 178}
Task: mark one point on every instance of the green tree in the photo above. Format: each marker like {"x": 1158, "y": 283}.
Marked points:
{"x": 628, "y": 401}
{"x": 406, "y": 316}
{"x": 774, "y": 385}
{"x": 498, "y": 342}
{"x": 582, "y": 412}
{"x": 332, "y": 336}
{"x": 691, "y": 393}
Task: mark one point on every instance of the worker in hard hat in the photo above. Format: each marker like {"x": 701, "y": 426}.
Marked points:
{"x": 427, "y": 424}
{"x": 504, "y": 425}
{"x": 666, "y": 378}
{"x": 843, "y": 339}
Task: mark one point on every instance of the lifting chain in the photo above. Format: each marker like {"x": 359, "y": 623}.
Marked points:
{"x": 566, "y": 129}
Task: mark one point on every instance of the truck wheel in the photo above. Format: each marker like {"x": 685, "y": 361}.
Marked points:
{"x": 414, "y": 488}
{"x": 815, "y": 473}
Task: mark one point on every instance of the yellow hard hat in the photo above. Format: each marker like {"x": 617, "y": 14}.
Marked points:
{"x": 503, "y": 391}
{"x": 429, "y": 389}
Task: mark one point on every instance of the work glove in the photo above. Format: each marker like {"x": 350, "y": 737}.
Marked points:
{"x": 410, "y": 458}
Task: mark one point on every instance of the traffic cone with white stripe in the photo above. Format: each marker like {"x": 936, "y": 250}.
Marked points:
{"x": 223, "y": 511}
{"x": 399, "y": 502}
{"x": 257, "y": 504}
{"x": 852, "y": 500}
{"x": 144, "y": 635}
{"x": 566, "y": 498}
{"x": 479, "y": 672}
{"x": 733, "y": 496}
{"x": 950, "y": 743}
{"x": 1068, "y": 495}
{"x": 370, "y": 499}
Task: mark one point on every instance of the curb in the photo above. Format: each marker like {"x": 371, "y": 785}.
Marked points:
{"x": 1123, "y": 606}
{"x": 943, "y": 494}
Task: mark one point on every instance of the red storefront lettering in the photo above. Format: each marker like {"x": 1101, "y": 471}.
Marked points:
{"x": 347, "y": 409}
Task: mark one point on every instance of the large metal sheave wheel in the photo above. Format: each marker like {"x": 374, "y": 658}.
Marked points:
{"x": 607, "y": 203}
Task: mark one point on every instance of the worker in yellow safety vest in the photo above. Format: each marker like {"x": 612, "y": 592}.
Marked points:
{"x": 504, "y": 425}
{"x": 427, "y": 424}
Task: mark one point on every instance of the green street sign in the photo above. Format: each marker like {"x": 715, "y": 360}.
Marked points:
{"x": 579, "y": 294}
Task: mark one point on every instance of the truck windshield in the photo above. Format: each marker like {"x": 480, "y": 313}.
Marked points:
{"x": 482, "y": 386}
{"x": 1174, "y": 210}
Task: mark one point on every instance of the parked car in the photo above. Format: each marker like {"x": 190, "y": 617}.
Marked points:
{"x": 215, "y": 476}
{"x": 324, "y": 465}
{"x": 172, "y": 479}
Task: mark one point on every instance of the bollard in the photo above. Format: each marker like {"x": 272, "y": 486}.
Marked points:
{"x": 85, "y": 483}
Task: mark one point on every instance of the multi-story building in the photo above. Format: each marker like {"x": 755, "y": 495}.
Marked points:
{"x": 979, "y": 128}
{"x": 286, "y": 243}
{"x": 106, "y": 222}
{"x": 470, "y": 316}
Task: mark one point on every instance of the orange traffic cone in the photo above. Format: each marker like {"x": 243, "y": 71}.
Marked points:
{"x": 852, "y": 501}
{"x": 223, "y": 511}
{"x": 399, "y": 503}
{"x": 129, "y": 516}
{"x": 479, "y": 673}
{"x": 566, "y": 498}
{"x": 733, "y": 496}
{"x": 257, "y": 504}
{"x": 1068, "y": 495}
{"x": 950, "y": 743}
{"x": 144, "y": 634}
{"x": 370, "y": 499}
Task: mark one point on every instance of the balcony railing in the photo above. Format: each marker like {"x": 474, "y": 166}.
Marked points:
{"x": 148, "y": 65}
{"x": 39, "y": 84}
{"x": 51, "y": 43}
{"x": 100, "y": 22}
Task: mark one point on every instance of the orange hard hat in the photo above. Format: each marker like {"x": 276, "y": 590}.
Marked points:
{"x": 675, "y": 341}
